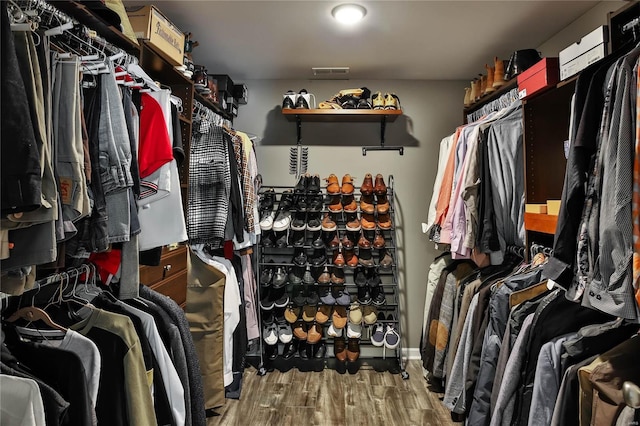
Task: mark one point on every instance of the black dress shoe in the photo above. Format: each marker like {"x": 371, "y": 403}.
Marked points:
{"x": 299, "y": 222}
{"x": 378, "y": 296}
{"x": 319, "y": 257}
{"x": 288, "y": 102}
{"x": 271, "y": 351}
{"x": 318, "y": 242}
{"x": 281, "y": 241}
{"x": 364, "y": 296}
{"x": 266, "y": 276}
{"x": 300, "y": 257}
{"x": 301, "y": 102}
{"x": 297, "y": 238}
{"x": 314, "y": 203}
{"x": 289, "y": 349}
{"x": 299, "y": 296}
{"x": 364, "y": 104}
{"x": 314, "y": 185}
{"x": 312, "y": 296}
{"x": 319, "y": 350}
{"x": 268, "y": 239}
{"x": 302, "y": 350}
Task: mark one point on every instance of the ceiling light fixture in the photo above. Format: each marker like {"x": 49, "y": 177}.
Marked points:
{"x": 348, "y": 14}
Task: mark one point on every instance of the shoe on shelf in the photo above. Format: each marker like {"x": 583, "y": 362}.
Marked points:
{"x": 333, "y": 331}
{"x": 309, "y": 313}
{"x": 314, "y": 184}
{"x": 283, "y": 217}
{"x": 337, "y": 276}
{"x": 377, "y": 100}
{"x": 313, "y": 222}
{"x": 338, "y": 258}
{"x": 266, "y": 276}
{"x": 325, "y": 276}
{"x": 319, "y": 350}
{"x": 299, "y": 296}
{"x": 281, "y": 239}
{"x": 366, "y": 259}
{"x": 299, "y": 221}
{"x": 360, "y": 276}
{"x": 279, "y": 278}
{"x": 384, "y": 221}
{"x": 270, "y": 333}
{"x": 331, "y": 239}
{"x": 363, "y": 104}
{"x": 267, "y": 200}
{"x": 300, "y": 330}
{"x": 353, "y": 350}
{"x": 335, "y": 205}
{"x": 391, "y": 101}
{"x": 383, "y": 204}
{"x": 295, "y": 274}
{"x": 378, "y": 241}
{"x": 308, "y": 278}
{"x": 328, "y": 224}
{"x": 326, "y": 298}
{"x": 340, "y": 349}
{"x": 391, "y": 335}
{"x": 364, "y": 295}
{"x": 280, "y": 297}
{"x": 323, "y": 314}
{"x": 268, "y": 239}
{"x": 363, "y": 242}
{"x": 366, "y": 204}
{"x": 378, "y": 296}
{"x": 349, "y": 204}
{"x": 373, "y": 279}
{"x": 314, "y": 335}
{"x": 347, "y": 241}
{"x": 380, "y": 188}
{"x": 333, "y": 187}
{"x": 266, "y": 300}
{"x": 312, "y": 296}
{"x": 369, "y": 315}
{"x": 285, "y": 334}
{"x": 300, "y": 257}
{"x": 386, "y": 261}
{"x": 377, "y": 336}
{"x": 354, "y": 331}
{"x": 303, "y": 350}
{"x": 353, "y": 224}
{"x": 350, "y": 257}
{"x": 490, "y": 74}
{"x": 290, "y": 349}
{"x": 266, "y": 221}
{"x": 498, "y": 73}
{"x": 288, "y": 101}
{"x": 291, "y": 314}
{"x": 367, "y": 221}
{"x": 367, "y": 185}
{"x": 297, "y": 239}
{"x": 341, "y": 295}
{"x": 301, "y": 102}
{"x": 347, "y": 185}
{"x": 355, "y": 313}
{"x": 316, "y": 240}
{"x": 339, "y": 317}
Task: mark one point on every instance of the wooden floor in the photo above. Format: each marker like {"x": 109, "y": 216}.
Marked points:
{"x": 328, "y": 398}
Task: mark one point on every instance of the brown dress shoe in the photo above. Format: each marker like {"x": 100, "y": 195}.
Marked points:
{"x": 384, "y": 221}
{"x": 339, "y": 317}
{"x": 337, "y": 276}
{"x": 340, "y": 349}
{"x": 333, "y": 187}
{"x": 349, "y": 204}
{"x": 335, "y": 206}
{"x": 347, "y": 241}
{"x": 378, "y": 241}
{"x": 300, "y": 330}
{"x": 366, "y": 204}
{"x": 350, "y": 257}
{"x": 366, "y": 259}
{"x": 333, "y": 240}
{"x": 353, "y": 224}
{"x": 363, "y": 242}
{"x": 367, "y": 221}
{"x": 323, "y": 314}
{"x": 325, "y": 276}
{"x": 338, "y": 259}
{"x": 347, "y": 185}
{"x": 328, "y": 223}
{"x": 383, "y": 204}
{"x": 380, "y": 188}
{"x": 367, "y": 185}
{"x": 386, "y": 260}
{"x": 291, "y": 314}
{"x": 353, "y": 350}
{"x": 315, "y": 334}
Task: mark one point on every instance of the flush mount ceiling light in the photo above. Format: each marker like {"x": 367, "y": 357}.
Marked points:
{"x": 348, "y": 14}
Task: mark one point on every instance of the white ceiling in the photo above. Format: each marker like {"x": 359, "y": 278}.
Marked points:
{"x": 441, "y": 40}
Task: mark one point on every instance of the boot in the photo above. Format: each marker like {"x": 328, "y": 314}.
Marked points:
{"x": 498, "y": 74}
{"x": 473, "y": 96}
{"x": 483, "y": 84}
{"x": 467, "y": 96}
{"x": 490, "y": 71}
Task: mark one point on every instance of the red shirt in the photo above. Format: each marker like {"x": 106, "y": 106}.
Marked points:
{"x": 155, "y": 145}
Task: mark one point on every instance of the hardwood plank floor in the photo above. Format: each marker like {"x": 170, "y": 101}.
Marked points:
{"x": 329, "y": 398}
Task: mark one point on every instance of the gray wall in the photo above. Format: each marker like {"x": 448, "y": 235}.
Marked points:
{"x": 432, "y": 110}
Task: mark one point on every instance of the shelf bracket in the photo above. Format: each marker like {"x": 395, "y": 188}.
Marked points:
{"x": 299, "y": 129}
{"x": 382, "y": 147}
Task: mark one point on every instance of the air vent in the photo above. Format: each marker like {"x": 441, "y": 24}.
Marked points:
{"x": 330, "y": 71}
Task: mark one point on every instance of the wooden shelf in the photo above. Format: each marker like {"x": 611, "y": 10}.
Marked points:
{"x": 539, "y": 222}
{"x": 341, "y": 115}
{"x": 213, "y": 107}
{"x": 86, "y": 17}
{"x": 508, "y": 85}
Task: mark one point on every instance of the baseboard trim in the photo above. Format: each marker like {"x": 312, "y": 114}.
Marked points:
{"x": 411, "y": 353}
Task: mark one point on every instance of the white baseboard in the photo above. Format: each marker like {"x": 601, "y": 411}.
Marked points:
{"x": 411, "y": 353}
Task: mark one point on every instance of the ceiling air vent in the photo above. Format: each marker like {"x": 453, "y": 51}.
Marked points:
{"x": 329, "y": 72}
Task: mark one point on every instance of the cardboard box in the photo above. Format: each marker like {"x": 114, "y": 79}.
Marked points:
{"x": 553, "y": 207}
{"x": 150, "y": 24}
{"x": 591, "y": 48}
{"x": 543, "y": 75}
{"x": 535, "y": 208}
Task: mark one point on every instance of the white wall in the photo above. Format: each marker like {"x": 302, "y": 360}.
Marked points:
{"x": 432, "y": 110}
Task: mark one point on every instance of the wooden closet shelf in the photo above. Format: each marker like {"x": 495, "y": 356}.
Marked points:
{"x": 341, "y": 115}
{"x": 539, "y": 222}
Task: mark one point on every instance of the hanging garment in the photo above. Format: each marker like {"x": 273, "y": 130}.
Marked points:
{"x": 21, "y": 402}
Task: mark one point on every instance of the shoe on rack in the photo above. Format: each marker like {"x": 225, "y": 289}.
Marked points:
{"x": 391, "y": 101}
{"x": 297, "y": 239}
{"x": 369, "y": 314}
{"x": 373, "y": 279}
{"x": 285, "y": 334}
{"x": 380, "y": 188}
{"x": 316, "y": 240}
{"x": 266, "y": 220}
{"x": 301, "y": 102}
{"x": 382, "y": 205}
{"x": 295, "y": 274}
{"x": 300, "y": 257}
{"x": 363, "y": 104}
{"x": 337, "y": 276}
{"x": 338, "y": 258}
{"x": 299, "y": 296}
{"x": 266, "y": 300}
{"x": 290, "y": 349}
{"x": 303, "y": 350}
{"x": 347, "y": 241}
{"x": 302, "y": 185}
{"x": 319, "y": 350}
{"x": 365, "y": 259}
{"x": 271, "y": 351}
{"x": 279, "y": 278}
{"x": 283, "y": 217}
{"x": 391, "y": 335}
{"x": 312, "y": 296}
{"x": 347, "y": 185}
{"x": 314, "y": 184}
{"x": 363, "y": 242}
{"x": 299, "y": 221}
{"x": 490, "y": 73}
{"x": 355, "y": 313}
{"x": 335, "y": 205}
{"x": 341, "y": 295}
{"x": 350, "y": 257}
{"x": 360, "y": 276}
{"x": 353, "y": 350}
{"x": 353, "y": 224}
{"x": 314, "y": 203}
{"x": 384, "y": 221}
{"x": 291, "y": 314}
{"x": 340, "y": 349}
{"x": 308, "y": 278}
{"x": 349, "y": 204}
{"x": 314, "y": 335}
{"x": 300, "y": 330}
{"x": 354, "y": 331}
{"x": 309, "y": 313}
{"x": 366, "y": 204}
{"x": 339, "y": 317}
{"x": 333, "y": 187}
{"x": 280, "y": 297}
{"x": 367, "y": 221}
{"x": 281, "y": 239}
{"x": 323, "y": 314}
{"x": 328, "y": 224}
{"x": 378, "y": 296}
{"x": 378, "y": 241}
{"x": 367, "y": 185}
{"x": 325, "y": 276}
{"x": 268, "y": 239}
{"x": 267, "y": 200}
{"x": 266, "y": 276}
{"x": 377, "y": 100}
{"x": 498, "y": 73}
{"x": 377, "y": 336}
{"x": 331, "y": 240}
{"x": 333, "y": 331}
{"x": 313, "y": 222}
{"x": 386, "y": 261}
{"x": 364, "y": 295}
{"x": 270, "y": 333}
{"x": 288, "y": 101}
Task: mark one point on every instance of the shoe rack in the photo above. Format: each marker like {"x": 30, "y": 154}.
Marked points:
{"x": 284, "y": 253}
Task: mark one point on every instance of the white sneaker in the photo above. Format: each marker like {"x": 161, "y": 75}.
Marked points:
{"x": 391, "y": 337}
{"x": 282, "y": 221}
{"x": 334, "y": 332}
{"x": 270, "y": 334}
{"x": 377, "y": 337}
{"x": 284, "y": 333}
{"x": 354, "y": 331}
{"x": 267, "y": 221}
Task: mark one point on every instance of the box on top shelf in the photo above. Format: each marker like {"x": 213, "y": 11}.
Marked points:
{"x": 591, "y": 48}
{"x": 150, "y": 24}
{"x": 543, "y": 75}
{"x": 225, "y": 84}
{"x": 241, "y": 93}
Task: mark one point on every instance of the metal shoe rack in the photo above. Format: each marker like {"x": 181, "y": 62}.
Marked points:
{"x": 377, "y": 358}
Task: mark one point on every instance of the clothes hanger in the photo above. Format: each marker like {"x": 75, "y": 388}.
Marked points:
{"x": 32, "y": 314}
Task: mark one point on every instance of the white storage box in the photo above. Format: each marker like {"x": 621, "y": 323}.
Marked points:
{"x": 591, "y": 48}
